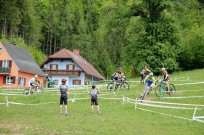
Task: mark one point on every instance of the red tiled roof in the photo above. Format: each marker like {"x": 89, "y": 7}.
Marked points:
{"x": 79, "y": 60}
{"x": 61, "y": 54}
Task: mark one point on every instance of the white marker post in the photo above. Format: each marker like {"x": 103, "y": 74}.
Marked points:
{"x": 193, "y": 118}
{"x": 7, "y": 103}
{"x": 136, "y": 103}
{"x": 123, "y": 99}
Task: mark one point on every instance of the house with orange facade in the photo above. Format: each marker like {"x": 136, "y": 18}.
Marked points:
{"x": 71, "y": 66}
{"x": 17, "y": 66}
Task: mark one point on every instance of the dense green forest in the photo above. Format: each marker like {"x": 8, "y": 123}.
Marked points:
{"x": 110, "y": 33}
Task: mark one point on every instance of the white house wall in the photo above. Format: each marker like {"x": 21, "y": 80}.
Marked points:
{"x": 62, "y": 66}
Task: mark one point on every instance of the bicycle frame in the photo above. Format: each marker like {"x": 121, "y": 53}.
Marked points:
{"x": 163, "y": 88}
{"x": 119, "y": 82}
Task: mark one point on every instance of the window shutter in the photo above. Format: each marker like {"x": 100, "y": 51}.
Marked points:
{"x": 19, "y": 80}
{"x": 67, "y": 67}
{"x": 73, "y": 68}
{"x": 14, "y": 79}
{"x": 24, "y": 81}
{"x": 4, "y": 80}
{"x": 10, "y": 63}
{"x": 57, "y": 67}
{"x": 1, "y": 63}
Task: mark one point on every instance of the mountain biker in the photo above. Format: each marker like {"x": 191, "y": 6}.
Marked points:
{"x": 117, "y": 76}
{"x": 33, "y": 83}
{"x": 149, "y": 82}
{"x": 47, "y": 81}
{"x": 142, "y": 73}
{"x": 63, "y": 95}
{"x": 165, "y": 77}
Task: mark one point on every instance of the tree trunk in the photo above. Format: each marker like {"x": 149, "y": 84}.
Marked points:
{"x": 47, "y": 44}
{"x": 55, "y": 43}
{"x": 5, "y": 27}
{"x": 50, "y": 43}
{"x": 11, "y": 30}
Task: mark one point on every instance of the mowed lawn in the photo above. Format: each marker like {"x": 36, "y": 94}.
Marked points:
{"x": 115, "y": 118}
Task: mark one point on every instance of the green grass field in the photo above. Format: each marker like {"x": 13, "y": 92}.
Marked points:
{"x": 115, "y": 118}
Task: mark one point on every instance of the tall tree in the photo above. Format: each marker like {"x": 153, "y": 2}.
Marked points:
{"x": 154, "y": 35}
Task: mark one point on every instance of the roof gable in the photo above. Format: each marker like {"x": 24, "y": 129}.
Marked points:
{"x": 61, "y": 54}
{"x": 78, "y": 59}
{"x": 23, "y": 59}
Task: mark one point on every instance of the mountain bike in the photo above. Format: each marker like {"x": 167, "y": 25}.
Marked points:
{"x": 145, "y": 92}
{"x": 49, "y": 85}
{"x": 33, "y": 90}
{"x": 122, "y": 84}
{"x": 162, "y": 88}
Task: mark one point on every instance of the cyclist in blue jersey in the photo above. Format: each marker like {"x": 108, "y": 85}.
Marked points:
{"x": 149, "y": 82}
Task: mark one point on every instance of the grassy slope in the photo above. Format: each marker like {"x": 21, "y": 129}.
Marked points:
{"x": 114, "y": 119}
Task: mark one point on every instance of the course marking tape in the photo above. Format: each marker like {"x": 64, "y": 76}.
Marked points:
{"x": 113, "y": 98}
{"x": 9, "y": 94}
{"x": 189, "y": 90}
{"x": 185, "y": 97}
{"x": 189, "y": 83}
{"x": 15, "y": 103}
{"x": 171, "y": 103}
{"x": 165, "y": 114}
{"x": 161, "y": 106}
{"x": 199, "y": 117}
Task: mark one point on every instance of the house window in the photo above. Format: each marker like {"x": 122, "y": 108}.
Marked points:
{"x": 76, "y": 82}
{"x": 54, "y": 66}
{"x": 70, "y": 67}
{"x": 10, "y": 80}
{"x": 0, "y": 51}
{"x": 56, "y": 82}
{"x": 5, "y": 63}
{"x": 22, "y": 81}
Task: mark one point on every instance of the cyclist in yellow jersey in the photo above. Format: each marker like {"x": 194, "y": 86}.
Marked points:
{"x": 117, "y": 76}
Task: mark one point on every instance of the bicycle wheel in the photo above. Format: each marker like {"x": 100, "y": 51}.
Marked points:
{"x": 172, "y": 90}
{"x": 144, "y": 94}
{"x": 43, "y": 85}
{"x": 110, "y": 87}
{"x": 159, "y": 91}
{"x": 41, "y": 90}
{"x": 124, "y": 86}
{"x": 26, "y": 92}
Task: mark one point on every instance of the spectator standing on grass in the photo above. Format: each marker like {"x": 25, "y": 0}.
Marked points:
{"x": 63, "y": 96}
{"x": 94, "y": 99}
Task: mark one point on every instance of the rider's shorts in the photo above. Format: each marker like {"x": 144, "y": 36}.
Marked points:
{"x": 33, "y": 84}
{"x": 149, "y": 84}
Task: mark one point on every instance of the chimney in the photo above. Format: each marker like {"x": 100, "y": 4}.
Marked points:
{"x": 76, "y": 51}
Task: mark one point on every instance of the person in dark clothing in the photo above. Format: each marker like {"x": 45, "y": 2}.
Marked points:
{"x": 94, "y": 99}
{"x": 63, "y": 95}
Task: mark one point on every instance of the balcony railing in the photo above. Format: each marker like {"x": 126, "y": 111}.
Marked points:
{"x": 5, "y": 70}
{"x": 62, "y": 72}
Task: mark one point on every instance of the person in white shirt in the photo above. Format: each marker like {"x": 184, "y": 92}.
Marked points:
{"x": 33, "y": 83}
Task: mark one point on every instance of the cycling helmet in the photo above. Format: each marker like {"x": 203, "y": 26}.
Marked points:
{"x": 163, "y": 69}
{"x": 151, "y": 73}
{"x": 119, "y": 68}
{"x": 64, "y": 80}
{"x": 36, "y": 76}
